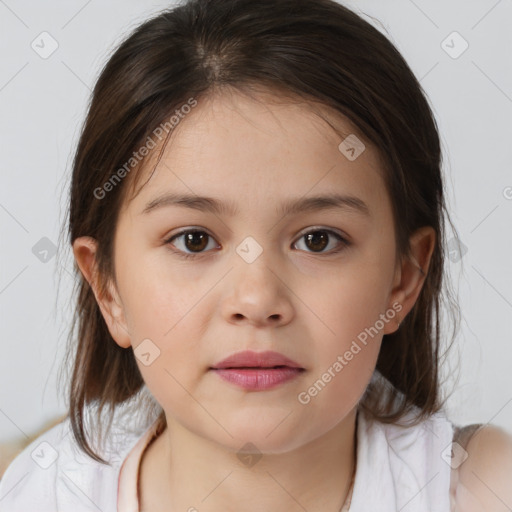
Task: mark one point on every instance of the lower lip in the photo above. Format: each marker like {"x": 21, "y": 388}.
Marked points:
{"x": 258, "y": 378}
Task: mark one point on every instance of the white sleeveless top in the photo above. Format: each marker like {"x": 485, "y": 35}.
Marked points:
{"x": 404, "y": 469}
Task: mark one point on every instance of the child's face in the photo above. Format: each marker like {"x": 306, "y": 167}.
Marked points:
{"x": 310, "y": 306}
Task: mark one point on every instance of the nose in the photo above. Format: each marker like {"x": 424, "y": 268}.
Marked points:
{"x": 258, "y": 296}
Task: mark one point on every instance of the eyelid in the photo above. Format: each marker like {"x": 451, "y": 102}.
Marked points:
{"x": 341, "y": 234}
{"x": 302, "y": 233}
{"x": 187, "y": 229}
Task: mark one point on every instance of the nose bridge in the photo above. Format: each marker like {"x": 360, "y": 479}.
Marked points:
{"x": 256, "y": 262}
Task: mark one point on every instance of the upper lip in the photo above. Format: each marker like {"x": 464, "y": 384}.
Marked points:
{"x": 250, "y": 359}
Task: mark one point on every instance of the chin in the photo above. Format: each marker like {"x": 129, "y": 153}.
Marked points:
{"x": 263, "y": 437}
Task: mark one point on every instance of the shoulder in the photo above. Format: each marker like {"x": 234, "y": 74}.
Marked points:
{"x": 52, "y": 471}
{"x": 485, "y": 477}
{"x": 404, "y": 461}
{"x": 26, "y": 482}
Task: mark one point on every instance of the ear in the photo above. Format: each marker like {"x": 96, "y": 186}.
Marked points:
{"x": 84, "y": 250}
{"x": 410, "y": 274}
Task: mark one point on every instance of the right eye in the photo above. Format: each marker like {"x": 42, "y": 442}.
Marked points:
{"x": 194, "y": 240}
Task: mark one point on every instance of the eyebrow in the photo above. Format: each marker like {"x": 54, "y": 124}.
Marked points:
{"x": 290, "y": 207}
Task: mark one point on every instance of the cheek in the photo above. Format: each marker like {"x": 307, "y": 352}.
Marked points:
{"x": 353, "y": 312}
{"x": 160, "y": 320}
{"x": 346, "y": 365}
{"x": 340, "y": 383}
{"x": 174, "y": 364}
{"x": 156, "y": 302}
{"x": 350, "y": 304}
{"x": 361, "y": 289}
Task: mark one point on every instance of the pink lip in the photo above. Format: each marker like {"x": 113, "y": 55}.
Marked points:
{"x": 258, "y": 378}
{"x": 250, "y": 359}
{"x": 257, "y": 370}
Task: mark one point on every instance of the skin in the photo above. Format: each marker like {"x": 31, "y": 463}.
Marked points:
{"x": 484, "y": 477}
{"x": 308, "y": 305}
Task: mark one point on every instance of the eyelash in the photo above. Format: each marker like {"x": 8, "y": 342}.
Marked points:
{"x": 186, "y": 255}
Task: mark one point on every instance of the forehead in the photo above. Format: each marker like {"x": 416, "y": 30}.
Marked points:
{"x": 261, "y": 148}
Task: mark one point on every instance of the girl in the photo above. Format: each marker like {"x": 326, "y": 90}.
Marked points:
{"x": 257, "y": 218}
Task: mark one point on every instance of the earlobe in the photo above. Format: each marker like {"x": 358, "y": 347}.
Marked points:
{"x": 411, "y": 273}
{"x": 84, "y": 250}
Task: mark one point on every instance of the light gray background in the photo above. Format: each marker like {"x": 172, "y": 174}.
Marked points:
{"x": 43, "y": 104}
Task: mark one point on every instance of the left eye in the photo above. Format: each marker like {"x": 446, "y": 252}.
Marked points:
{"x": 196, "y": 241}
{"x": 318, "y": 239}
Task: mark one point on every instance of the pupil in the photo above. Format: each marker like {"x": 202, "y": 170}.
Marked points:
{"x": 317, "y": 236}
{"x": 193, "y": 237}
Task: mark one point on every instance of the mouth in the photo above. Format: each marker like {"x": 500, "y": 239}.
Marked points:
{"x": 257, "y": 371}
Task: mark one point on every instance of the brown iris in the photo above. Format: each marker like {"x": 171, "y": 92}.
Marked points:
{"x": 317, "y": 240}
{"x": 196, "y": 240}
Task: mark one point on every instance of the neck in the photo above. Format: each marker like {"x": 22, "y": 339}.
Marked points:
{"x": 181, "y": 470}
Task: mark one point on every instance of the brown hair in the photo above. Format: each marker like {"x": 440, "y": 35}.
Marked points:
{"x": 316, "y": 51}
